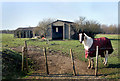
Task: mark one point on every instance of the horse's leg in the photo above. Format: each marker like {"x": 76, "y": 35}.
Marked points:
{"x": 89, "y": 61}
{"x": 106, "y": 58}
{"x": 92, "y": 63}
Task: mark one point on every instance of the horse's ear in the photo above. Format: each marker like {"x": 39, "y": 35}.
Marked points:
{"x": 85, "y": 34}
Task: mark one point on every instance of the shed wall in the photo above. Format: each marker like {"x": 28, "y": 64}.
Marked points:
{"x": 65, "y": 30}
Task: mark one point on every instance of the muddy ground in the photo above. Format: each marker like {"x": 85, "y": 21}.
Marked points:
{"x": 58, "y": 63}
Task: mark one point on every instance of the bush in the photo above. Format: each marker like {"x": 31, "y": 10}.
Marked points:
{"x": 91, "y": 28}
{"x": 11, "y": 64}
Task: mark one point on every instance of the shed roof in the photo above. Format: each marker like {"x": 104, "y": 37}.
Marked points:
{"x": 63, "y": 21}
{"x": 26, "y": 28}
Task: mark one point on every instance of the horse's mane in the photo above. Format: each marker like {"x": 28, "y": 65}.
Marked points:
{"x": 92, "y": 35}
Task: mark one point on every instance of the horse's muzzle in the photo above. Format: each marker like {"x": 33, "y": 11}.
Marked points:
{"x": 80, "y": 41}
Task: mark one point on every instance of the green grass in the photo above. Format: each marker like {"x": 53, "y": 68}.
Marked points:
{"x": 112, "y": 70}
{"x": 8, "y": 40}
{"x": 110, "y": 36}
{"x": 11, "y": 64}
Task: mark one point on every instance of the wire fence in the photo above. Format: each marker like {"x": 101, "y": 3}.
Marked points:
{"x": 26, "y": 49}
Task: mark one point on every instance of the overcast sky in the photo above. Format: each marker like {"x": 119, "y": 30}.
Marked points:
{"x": 25, "y": 14}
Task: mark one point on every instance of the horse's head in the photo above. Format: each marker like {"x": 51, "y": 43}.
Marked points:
{"x": 81, "y": 37}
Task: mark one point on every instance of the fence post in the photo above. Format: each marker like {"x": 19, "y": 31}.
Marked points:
{"x": 23, "y": 58}
{"x": 44, "y": 50}
{"x": 96, "y": 66}
{"x": 71, "y": 54}
{"x": 24, "y": 53}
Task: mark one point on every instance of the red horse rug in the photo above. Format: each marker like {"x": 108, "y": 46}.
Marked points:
{"x": 103, "y": 44}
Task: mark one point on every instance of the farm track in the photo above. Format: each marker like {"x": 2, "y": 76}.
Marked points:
{"x": 60, "y": 66}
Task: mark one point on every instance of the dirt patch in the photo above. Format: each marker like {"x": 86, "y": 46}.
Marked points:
{"x": 58, "y": 63}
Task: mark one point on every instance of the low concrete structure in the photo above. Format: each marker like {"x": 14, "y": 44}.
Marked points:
{"x": 24, "y": 32}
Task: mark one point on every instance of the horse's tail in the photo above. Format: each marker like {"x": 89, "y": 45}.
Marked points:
{"x": 109, "y": 46}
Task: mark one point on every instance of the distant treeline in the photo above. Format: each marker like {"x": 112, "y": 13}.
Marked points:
{"x": 7, "y": 31}
{"x": 111, "y": 29}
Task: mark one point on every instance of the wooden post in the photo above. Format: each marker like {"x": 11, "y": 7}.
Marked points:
{"x": 24, "y": 53}
{"x": 96, "y": 66}
{"x": 25, "y": 44}
{"x": 44, "y": 50}
{"x": 23, "y": 48}
{"x": 74, "y": 73}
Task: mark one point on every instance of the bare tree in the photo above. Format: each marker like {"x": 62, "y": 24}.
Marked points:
{"x": 79, "y": 26}
{"x": 90, "y": 27}
{"x": 42, "y": 26}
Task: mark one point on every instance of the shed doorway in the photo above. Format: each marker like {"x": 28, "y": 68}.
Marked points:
{"x": 57, "y": 32}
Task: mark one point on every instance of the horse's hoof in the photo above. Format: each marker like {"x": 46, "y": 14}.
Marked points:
{"x": 92, "y": 68}
{"x": 88, "y": 67}
{"x": 105, "y": 64}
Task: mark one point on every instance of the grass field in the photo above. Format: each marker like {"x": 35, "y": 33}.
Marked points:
{"x": 112, "y": 70}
